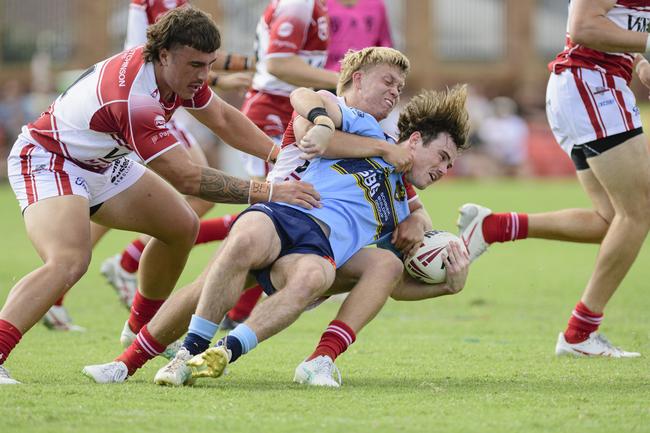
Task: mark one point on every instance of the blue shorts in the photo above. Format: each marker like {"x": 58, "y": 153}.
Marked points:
{"x": 299, "y": 234}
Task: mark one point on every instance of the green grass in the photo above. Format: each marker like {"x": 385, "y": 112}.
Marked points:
{"x": 480, "y": 361}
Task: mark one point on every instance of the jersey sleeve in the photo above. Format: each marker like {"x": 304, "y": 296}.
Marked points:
{"x": 357, "y": 122}
{"x": 288, "y": 27}
{"x": 146, "y": 128}
{"x": 200, "y": 100}
{"x": 136, "y": 29}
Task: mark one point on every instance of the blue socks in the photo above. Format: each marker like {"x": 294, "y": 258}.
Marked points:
{"x": 240, "y": 341}
{"x": 199, "y": 334}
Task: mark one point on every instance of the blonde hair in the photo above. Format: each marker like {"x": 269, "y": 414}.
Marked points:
{"x": 363, "y": 59}
{"x": 432, "y": 112}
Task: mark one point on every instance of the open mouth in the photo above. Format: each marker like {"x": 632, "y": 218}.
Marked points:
{"x": 389, "y": 102}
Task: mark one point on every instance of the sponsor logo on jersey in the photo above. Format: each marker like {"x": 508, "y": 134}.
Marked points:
{"x": 638, "y": 24}
{"x": 285, "y": 29}
{"x": 121, "y": 168}
{"x": 82, "y": 183}
{"x": 159, "y": 121}
{"x": 121, "y": 76}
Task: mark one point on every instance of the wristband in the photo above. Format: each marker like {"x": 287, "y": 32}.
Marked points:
{"x": 270, "y": 191}
{"x": 315, "y": 112}
{"x": 325, "y": 125}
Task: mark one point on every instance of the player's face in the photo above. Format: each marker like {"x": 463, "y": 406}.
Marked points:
{"x": 185, "y": 69}
{"x": 380, "y": 88}
{"x": 431, "y": 161}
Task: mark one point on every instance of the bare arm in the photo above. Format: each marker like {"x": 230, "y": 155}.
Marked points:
{"x": 216, "y": 186}
{"x": 294, "y": 70}
{"x": 235, "y": 128}
{"x": 589, "y": 26}
{"x": 408, "y": 234}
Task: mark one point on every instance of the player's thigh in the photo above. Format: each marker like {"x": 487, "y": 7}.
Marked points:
{"x": 624, "y": 173}
{"x": 252, "y": 238}
{"x": 597, "y": 194}
{"x": 367, "y": 261}
{"x": 308, "y": 274}
{"x": 59, "y": 226}
{"x": 149, "y": 206}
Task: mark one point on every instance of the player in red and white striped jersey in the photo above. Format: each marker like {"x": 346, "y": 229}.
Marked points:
{"x": 69, "y": 165}
{"x": 593, "y": 115}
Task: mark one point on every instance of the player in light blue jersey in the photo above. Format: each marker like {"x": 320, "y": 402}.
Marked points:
{"x": 294, "y": 253}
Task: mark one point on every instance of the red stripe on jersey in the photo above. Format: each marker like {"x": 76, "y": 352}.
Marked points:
{"x": 594, "y": 104}
{"x": 627, "y": 116}
{"x": 584, "y": 95}
{"x": 578, "y": 56}
{"x": 25, "y": 170}
{"x": 289, "y": 136}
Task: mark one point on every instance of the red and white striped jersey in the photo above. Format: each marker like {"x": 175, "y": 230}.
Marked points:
{"x": 633, "y": 15}
{"x": 112, "y": 109}
{"x": 286, "y": 28}
{"x": 143, "y": 13}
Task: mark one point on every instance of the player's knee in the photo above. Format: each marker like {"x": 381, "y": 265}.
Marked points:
{"x": 71, "y": 267}
{"x": 310, "y": 282}
{"x": 241, "y": 246}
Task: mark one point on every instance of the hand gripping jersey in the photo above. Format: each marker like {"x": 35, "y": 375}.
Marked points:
{"x": 286, "y": 28}
{"x": 143, "y": 13}
{"x": 631, "y": 15}
{"x": 112, "y": 109}
{"x": 362, "y": 200}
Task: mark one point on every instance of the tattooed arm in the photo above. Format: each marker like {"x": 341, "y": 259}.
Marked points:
{"x": 216, "y": 186}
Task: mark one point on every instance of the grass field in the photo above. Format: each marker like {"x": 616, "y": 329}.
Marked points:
{"x": 480, "y": 361}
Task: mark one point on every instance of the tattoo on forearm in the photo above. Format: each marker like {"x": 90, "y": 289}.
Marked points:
{"x": 219, "y": 187}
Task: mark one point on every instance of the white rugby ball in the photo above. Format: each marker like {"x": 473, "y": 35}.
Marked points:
{"x": 426, "y": 264}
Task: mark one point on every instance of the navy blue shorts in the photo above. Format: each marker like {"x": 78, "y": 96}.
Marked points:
{"x": 299, "y": 234}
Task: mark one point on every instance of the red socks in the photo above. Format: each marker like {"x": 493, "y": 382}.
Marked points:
{"x": 142, "y": 311}
{"x": 215, "y": 229}
{"x": 131, "y": 256}
{"x": 583, "y": 322}
{"x": 502, "y": 227}
{"x": 245, "y": 304}
{"x": 143, "y": 348}
{"x": 334, "y": 341}
{"x": 9, "y": 337}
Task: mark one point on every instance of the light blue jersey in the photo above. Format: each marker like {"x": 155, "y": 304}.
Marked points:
{"x": 363, "y": 199}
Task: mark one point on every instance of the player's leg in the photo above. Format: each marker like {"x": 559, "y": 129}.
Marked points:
{"x": 58, "y": 228}
{"x": 623, "y": 172}
{"x": 138, "y": 209}
{"x": 252, "y": 243}
{"x": 370, "y": 277}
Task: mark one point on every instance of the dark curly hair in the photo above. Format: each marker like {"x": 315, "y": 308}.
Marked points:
{"x": 182, "y": 26}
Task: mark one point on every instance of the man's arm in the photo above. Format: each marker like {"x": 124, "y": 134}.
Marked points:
{"x": 294, "y": 70}
{"x": 216, "y": 186}
{"x": 408, "y": 234}
{"x": 589, "y": 26}
{"x": 235, "y": 129}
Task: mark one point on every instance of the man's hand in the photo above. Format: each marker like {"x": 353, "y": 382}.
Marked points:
{"x": 408, "y": 236}
{"x": 400, "y": 157}
{"x": 456, "y": 262}
{"x": 300, "y": 194}
{"x": 643, "y": 70}
{"x": 315, "y": 141}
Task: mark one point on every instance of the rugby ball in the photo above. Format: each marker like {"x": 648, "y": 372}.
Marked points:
{"x": 426, "y": 264}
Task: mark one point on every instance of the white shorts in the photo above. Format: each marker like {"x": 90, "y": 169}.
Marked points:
{"x": 36, "y": 174}
{"x": 583, "y": 105}
{"x": 257, "y": 167}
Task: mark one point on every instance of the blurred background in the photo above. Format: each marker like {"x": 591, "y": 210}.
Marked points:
{"x": 499, "y": 47}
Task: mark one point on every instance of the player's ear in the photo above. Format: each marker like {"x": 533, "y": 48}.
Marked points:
{"x": 356, "y": 79}
{"x": 163, "y": 56}
{"x": 414, "y": 139}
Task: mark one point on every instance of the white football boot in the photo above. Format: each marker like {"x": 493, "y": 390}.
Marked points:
{"x": 112, "y": 372}
{"x": 595, "y": 345}
{"x": 318, "y": 372}
{"x": 58, "y": 319}
{"x": 470, "y": 228}
{"x": 125, "y": 283}
{"x": 211, "y": 363}
{"x": 127, "y": 337}
{"x": 5, "y": 377}
{"x": 176, "y": 372}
